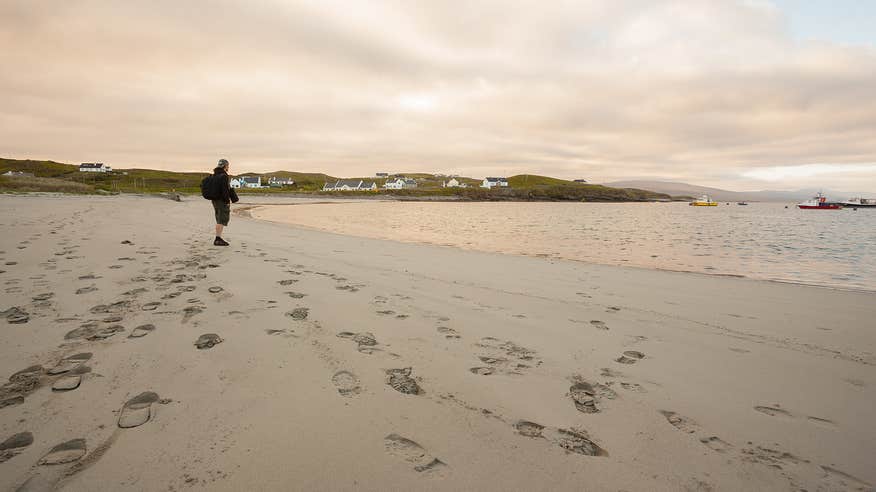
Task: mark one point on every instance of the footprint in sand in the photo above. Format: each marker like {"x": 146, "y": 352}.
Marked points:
{"x": 66, "y": 452}
{"x": 295, "y": 295}
{"x": 215, "y": 289}
{"x": 411, "y": 452}
{"x": 715, "y": 443}
{"x": 630, "y": 357}
{"x": 504, "y": 356}
{"x": 43, "y": 297}
{"x": 14, "y": 445}
{"x": 821, "y": 421}
{"x": 105, "y": 332}
{"x": 15, "y": 315}
{"x": 679, "y": 422}
{"x": 347, "y": 383}
{"x": 571, "y": 440}
{"x": 775, "y": 411}
{"x": 70, "y": 363}
{"x": 150, "y": 306}
{"x": 207, "y": 341}
{"x": 138, "y": 410}
{"x": 448, "y": 332}
{"x": 401, "y": 381}
{"x": 298, "y": 314}
{"x": 585, "y": 395}
{"x": 142, "y": 330}
{"x": 529, "y": 429}
{"x": 287, "y": 282}
{"x": 599, "y": 325}
{"x": 67, "y": 383}
{"x": 576, "y": 441}
{"x": 366, "y": 342}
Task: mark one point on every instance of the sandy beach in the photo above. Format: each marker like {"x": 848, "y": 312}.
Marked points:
{"x": 141, "y": 357}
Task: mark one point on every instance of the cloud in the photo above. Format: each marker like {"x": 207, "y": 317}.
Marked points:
{"x": 701, "y": 90}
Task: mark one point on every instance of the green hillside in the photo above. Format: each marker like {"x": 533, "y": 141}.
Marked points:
{"x": 56, "y": 176}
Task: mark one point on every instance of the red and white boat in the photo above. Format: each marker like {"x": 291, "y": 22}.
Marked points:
{"x": 819, "y": 202}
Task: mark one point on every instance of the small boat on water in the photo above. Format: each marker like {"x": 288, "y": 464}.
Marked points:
{"x": 741, "y": 203}
{"x": 860, "y": 203}
{"x": 819, "y": 202}
{"x": 703, "y": 201}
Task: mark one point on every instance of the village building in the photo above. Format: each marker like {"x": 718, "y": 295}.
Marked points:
{"x": 276, "y": 181}
{"x": 382, "y": 175}
{"x": 350, "y": 185}
{"x": 494, "y": 182}
{"x": 94, "y": 167}
{"x": 246, "y": 182}
{"x": 580, "y": 180}
{"x": 453, "y": 183}
{"x": 400, "y": 183}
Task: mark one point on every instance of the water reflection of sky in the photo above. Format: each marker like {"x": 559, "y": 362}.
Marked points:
{"x": 767, "y": 241}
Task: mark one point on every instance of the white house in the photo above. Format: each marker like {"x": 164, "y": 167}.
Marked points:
{"x": 400, "y": 183}
{"x": 453, "y": 183}
{"x": 94, "y": 167}
{"x": 251, "y": 181}
{"x": 246, "y": 182}
{"x": 494, "y": 182}
{"x": 278, "y": 181}
{"x": 350, "y": 185}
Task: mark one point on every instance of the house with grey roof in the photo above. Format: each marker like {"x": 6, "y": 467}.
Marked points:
{"x": 246, "y": 182}
{"x": 94, "y": 167}
{"x": 494, "y": 182}
{"x": 400, "y": 183}
{"x": 350, "y": 185}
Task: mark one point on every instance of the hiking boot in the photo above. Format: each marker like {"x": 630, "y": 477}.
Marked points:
{"x": 220, "y": 242}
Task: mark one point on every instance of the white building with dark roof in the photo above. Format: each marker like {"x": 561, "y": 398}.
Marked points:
{"x": 94, "y": 167}
{"x": 400, "y": 183}
{"x": 246, "y": 182}
{"x": 494, "y": 182}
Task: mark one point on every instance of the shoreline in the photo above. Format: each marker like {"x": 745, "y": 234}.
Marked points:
{"x": 351, "y": 363}
{"x": 247, "y": 211}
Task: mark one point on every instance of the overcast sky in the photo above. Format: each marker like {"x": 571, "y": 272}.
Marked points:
{"x": 747, "y": 94}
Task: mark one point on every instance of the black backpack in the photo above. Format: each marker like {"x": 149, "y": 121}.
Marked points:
{"x": 208, "y": 187}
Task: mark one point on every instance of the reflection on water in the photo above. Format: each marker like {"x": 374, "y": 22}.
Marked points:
{"x": 762, "y": 240}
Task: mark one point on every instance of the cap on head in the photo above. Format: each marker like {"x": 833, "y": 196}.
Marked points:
{"x": 223, "y": 163}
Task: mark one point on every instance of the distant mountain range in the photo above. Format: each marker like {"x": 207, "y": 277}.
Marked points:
{"x": 717, "y": 194}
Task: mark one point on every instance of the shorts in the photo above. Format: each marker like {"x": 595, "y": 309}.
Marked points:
{"x": 223, "y": 211}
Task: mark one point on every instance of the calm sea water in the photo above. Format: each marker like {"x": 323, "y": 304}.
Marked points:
{"x": 761, "y": 240}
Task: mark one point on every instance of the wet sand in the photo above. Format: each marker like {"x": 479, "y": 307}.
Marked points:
{"x": 140, "y": 357}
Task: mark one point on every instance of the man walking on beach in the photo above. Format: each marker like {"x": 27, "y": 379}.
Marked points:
{"x": 224, "y": 195}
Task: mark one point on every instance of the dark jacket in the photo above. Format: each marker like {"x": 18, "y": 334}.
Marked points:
{"x": 228, "y": 193}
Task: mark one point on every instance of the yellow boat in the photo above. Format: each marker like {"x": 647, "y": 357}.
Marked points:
{"x": 703, "y": 201}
